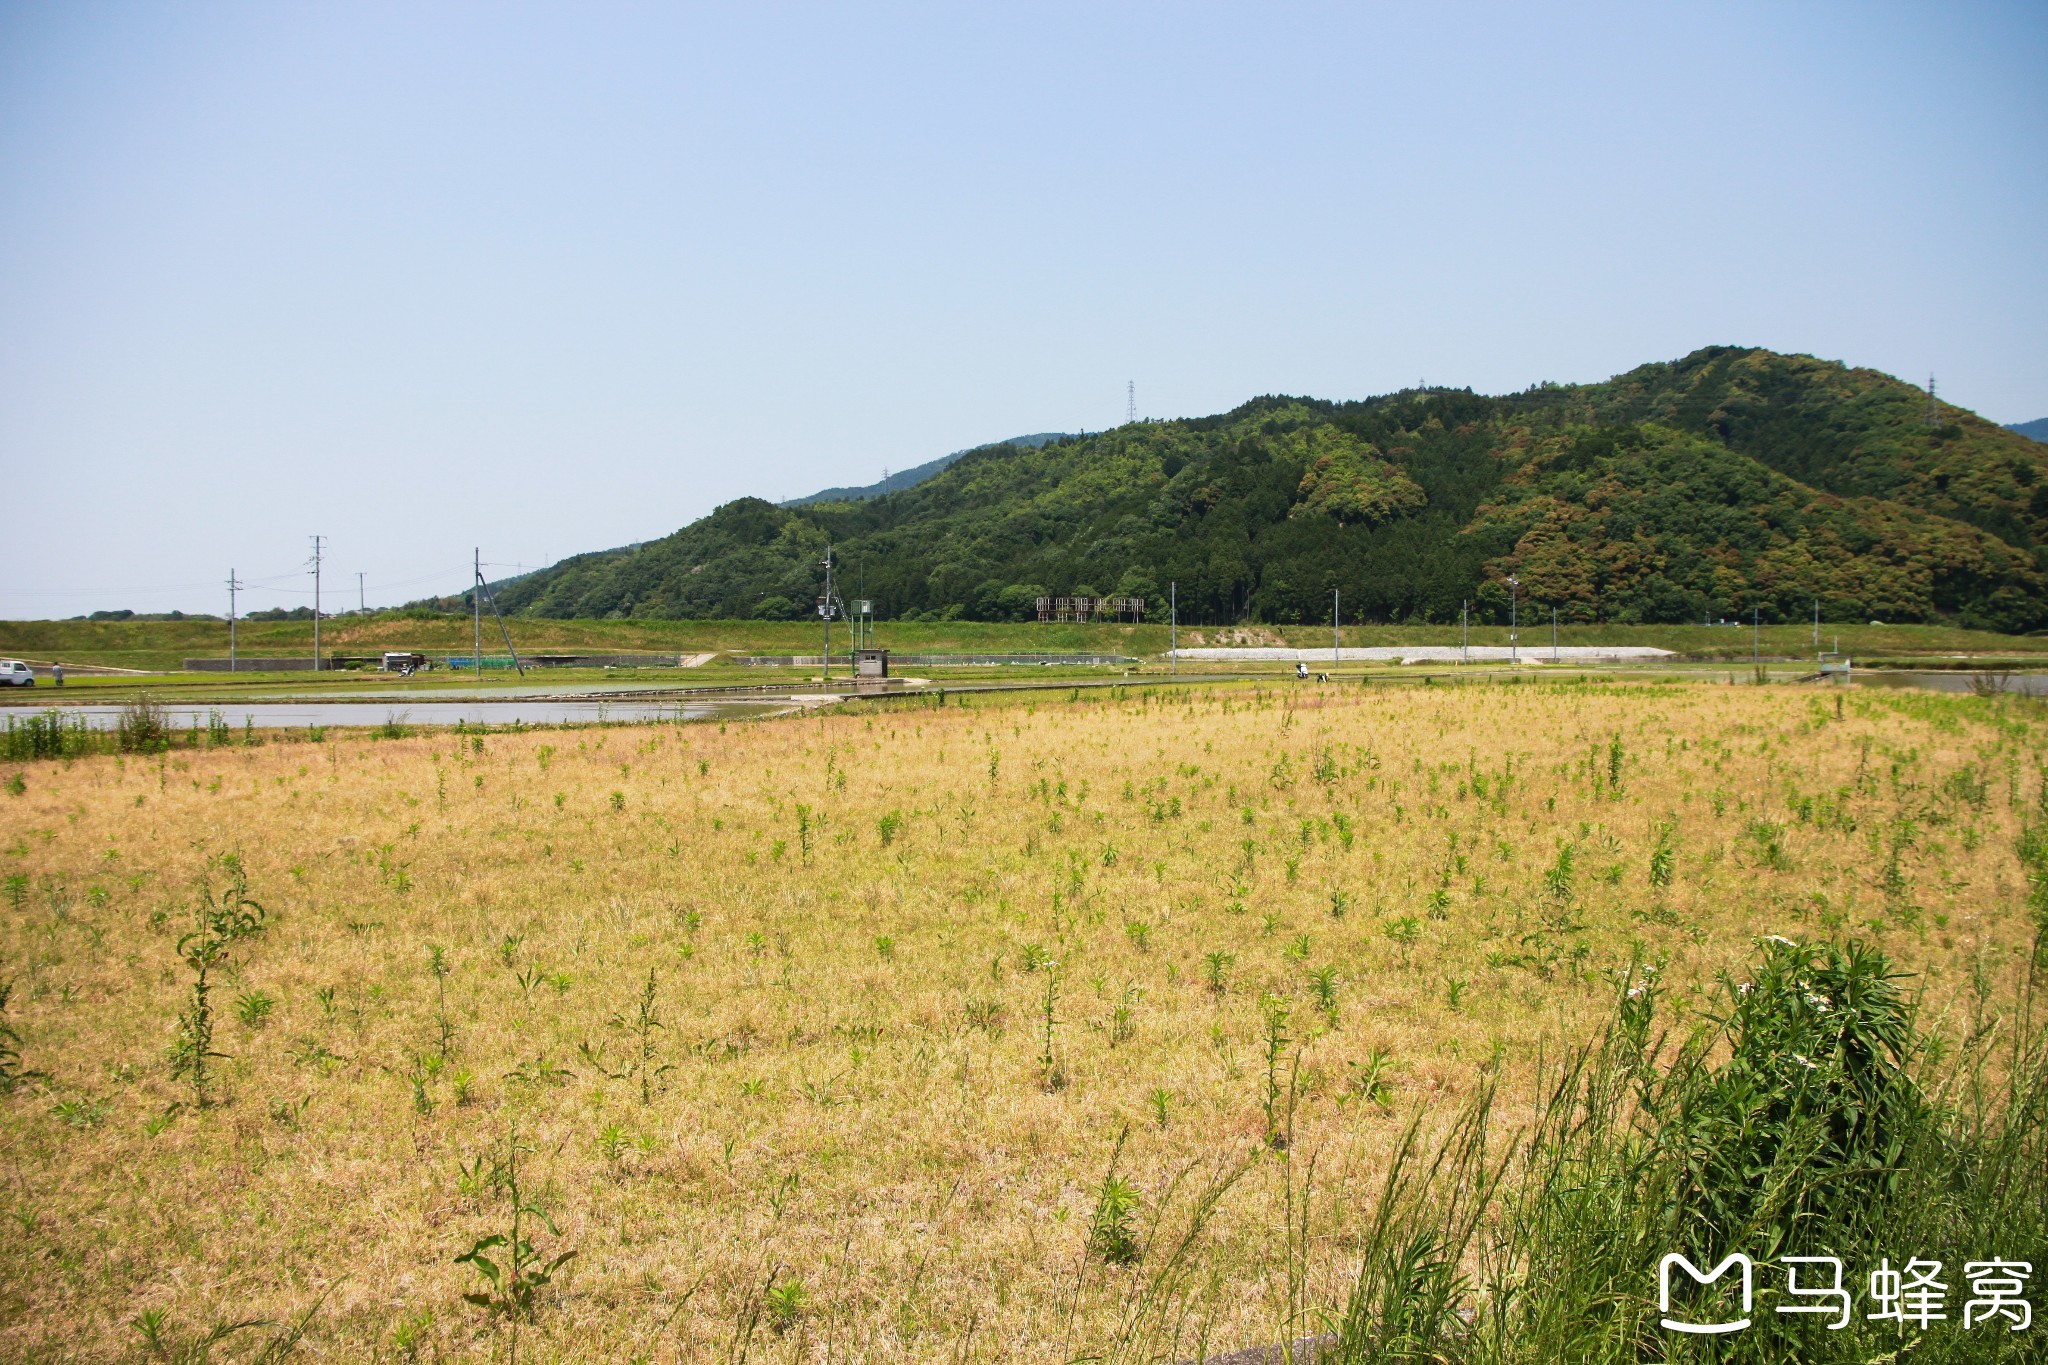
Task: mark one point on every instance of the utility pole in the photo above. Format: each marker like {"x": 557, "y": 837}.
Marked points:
{"x": 359, "y": 593}
{"x": 476, "y": 612}
{"x": 1465, "y": 630}
{"x": 867, "y": 604}
{"x": 1173, "y": 625}
{"x": 233, "y": 584}
{"x": 1514, "y": 606}
{"x": 1336, "y": 619}
{"x": 825, "y": 617}
{"x": 1816, "y": 623}
{"x": 1756, "y": 638}
{"x": 504, "y": 631}
{"x": 316, "y": 602}
{"x": 1553, "y": 635}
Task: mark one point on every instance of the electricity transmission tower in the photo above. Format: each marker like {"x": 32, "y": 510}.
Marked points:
{"x": 1130, "y": 400}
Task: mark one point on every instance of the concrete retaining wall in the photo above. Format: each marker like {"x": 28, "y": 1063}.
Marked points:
{"x": 251, "y": 665}
{"x": 937, "y": 660}
{"x": 1434, "y": 654}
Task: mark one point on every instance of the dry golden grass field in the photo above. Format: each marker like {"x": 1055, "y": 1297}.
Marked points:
{"x": 1268, "y": 927}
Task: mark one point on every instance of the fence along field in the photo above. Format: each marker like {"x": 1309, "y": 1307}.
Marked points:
{"x": 1093, "y": 1025}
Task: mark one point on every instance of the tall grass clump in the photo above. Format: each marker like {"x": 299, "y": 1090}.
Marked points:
{"x": 1808, "y": 1117}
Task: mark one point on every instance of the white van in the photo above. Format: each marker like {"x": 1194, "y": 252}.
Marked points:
{"x": 15, "y": 673}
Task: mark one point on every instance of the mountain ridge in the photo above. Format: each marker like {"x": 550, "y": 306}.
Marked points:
{"x": 910, "y": 478}
{"x": 1729, "y": 479}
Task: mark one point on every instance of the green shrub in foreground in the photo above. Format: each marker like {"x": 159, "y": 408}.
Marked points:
{"x": 1792, "y": 1124}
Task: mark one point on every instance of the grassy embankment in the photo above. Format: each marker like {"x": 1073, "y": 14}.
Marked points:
{"x": 918, "y": 978}
{"x": 164, "y": 645}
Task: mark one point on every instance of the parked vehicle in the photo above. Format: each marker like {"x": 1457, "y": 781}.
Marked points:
{"x": 405, "y": 662}
{"x": 15, "y": 673}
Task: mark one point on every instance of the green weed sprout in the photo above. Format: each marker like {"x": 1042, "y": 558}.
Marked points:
{"x": 220, "y": 923}
{"x": 512, "y": 1288}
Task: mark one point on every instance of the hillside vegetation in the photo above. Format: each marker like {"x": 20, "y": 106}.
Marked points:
{"x": 1732, "y": 479}
{"x": 910, "y": 478}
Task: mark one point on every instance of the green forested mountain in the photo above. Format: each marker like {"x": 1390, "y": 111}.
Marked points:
{"x": 909, "y": 478}
{"x": 1731, "y": 479}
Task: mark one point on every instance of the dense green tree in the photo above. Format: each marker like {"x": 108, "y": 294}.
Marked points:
{"x": 1346, "y": 479}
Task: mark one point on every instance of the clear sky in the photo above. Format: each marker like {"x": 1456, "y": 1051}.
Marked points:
{"x": 555, "y": 277}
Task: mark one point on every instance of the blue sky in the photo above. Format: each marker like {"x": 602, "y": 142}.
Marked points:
{"x": 554, "y": 277}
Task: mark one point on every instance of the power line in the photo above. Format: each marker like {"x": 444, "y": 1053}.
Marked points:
{"x": 258, "y": 585}
{"x": 274, "y": 584}
{"x": 97, "y": 592}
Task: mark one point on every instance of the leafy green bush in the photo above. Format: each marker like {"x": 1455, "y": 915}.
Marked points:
{"x": 144, "y": 727}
